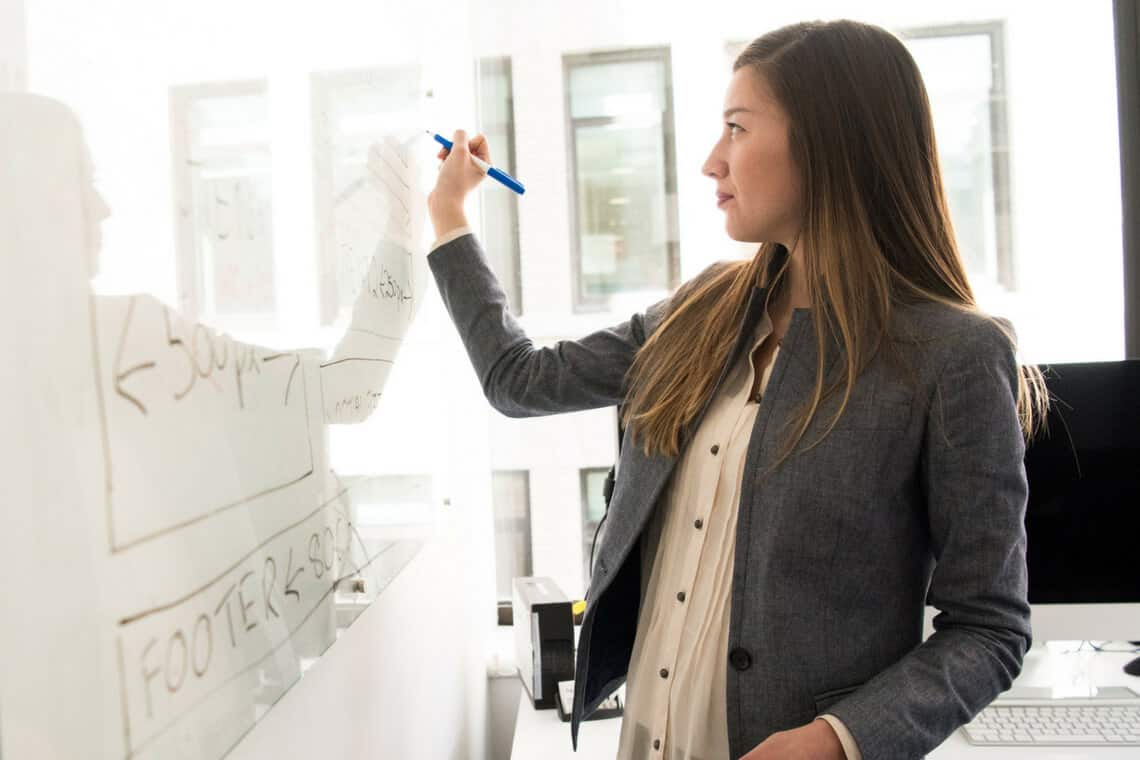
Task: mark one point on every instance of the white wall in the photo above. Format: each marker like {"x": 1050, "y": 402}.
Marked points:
{"x": 13, "y": 46}
{"x": 406, "y": 680}
{"x": 502, "y": 709}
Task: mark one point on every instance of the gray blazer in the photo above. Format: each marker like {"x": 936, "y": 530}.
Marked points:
{"x": 914, "y": 496}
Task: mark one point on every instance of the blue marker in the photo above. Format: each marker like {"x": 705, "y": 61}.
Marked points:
{"x": 491, "y": 171}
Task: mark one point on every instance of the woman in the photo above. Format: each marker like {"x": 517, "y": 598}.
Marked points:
{"x": 782, "y": 513}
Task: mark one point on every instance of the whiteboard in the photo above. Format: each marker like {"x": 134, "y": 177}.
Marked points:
{"x": 180, "y": 548}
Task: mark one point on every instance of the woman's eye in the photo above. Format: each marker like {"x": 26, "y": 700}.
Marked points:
{"x": 732, "y": 127}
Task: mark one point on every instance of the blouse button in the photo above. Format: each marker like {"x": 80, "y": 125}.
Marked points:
{"x": 680, "y": 596}
{"x": 715, "y": 448}
{"x": 656, "y": 744}
{"x": 664, "y": 672}
{"x": 698, "y": 523}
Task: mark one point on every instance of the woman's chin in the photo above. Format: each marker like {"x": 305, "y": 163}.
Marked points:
{"x": 742, "y": 236}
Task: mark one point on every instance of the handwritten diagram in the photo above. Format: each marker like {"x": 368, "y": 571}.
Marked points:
{"x": 192, "y": 412}
{"x": 197, "y": 424}
{"x": 179, "y": 658}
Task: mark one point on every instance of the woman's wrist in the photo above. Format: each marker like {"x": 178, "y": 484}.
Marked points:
{"x": 444, "y": 220}
{"x": 829, "y": 737}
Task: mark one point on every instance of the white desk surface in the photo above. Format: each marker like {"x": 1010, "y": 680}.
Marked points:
{"x": 540, "y": 734}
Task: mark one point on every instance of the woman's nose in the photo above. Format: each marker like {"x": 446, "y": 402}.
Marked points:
{"x": 714, "y": 166}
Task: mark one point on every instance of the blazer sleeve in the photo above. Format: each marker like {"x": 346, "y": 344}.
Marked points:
{"x": 519, "y": 379}
{"x": 973, "y": 478}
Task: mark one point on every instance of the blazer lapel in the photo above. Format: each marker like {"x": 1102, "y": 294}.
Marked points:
{"x": 752, "y": 314}
{"x": 652, "y": 472}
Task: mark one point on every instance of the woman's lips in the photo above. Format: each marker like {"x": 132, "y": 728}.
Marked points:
{"x": 722, "y": 198}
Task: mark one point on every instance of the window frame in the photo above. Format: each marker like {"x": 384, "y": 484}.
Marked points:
{"x": 1005, "y": 274}
{"x": 192, "y": 288}
{"x": 1126, "y": 31}
{"x": 510, "y": 276}
{"x": 659, "y": 53}
{"x": 503, "y": 606}
{"x": 589, "y": 528}
{"x": 323, "y": 89}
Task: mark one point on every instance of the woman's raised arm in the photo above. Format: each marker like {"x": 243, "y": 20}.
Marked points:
{"x": 519, "y": 379}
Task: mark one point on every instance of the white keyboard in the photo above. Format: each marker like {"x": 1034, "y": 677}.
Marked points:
{"x": 1110, "y": 719}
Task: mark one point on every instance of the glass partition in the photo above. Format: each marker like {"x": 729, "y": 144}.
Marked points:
{"x": 213, "y": 226}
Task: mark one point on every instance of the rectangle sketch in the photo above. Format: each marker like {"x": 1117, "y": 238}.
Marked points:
{"x": 196, "y": 422}
{"x": 242, "y": 637}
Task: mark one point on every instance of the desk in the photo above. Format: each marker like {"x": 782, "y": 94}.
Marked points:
{"x": 540, "y": 734}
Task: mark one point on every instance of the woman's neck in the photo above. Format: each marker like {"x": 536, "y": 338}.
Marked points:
{"x": 797, "y": 282}
{"x": 794, "y": 293}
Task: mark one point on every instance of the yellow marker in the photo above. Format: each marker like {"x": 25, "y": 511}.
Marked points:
{"x": 579, "y": 607}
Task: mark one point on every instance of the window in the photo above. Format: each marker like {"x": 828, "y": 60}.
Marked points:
{"x": 500, "y": 207}
{"x": 593, "y": 481}
{"x": 510, "y": 500}
{"x": 386, "y": 519}
{"x": 351, "y": 111}
{"x": 223, "y": 185}
{"x": 963, "y": 67}
{"x": 622, "y": 175}
{"x": 379, "y": 501}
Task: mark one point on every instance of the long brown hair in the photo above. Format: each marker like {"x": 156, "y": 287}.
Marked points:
{"x": 862, "y": 137}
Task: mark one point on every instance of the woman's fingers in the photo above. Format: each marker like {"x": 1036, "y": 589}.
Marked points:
{"x": 479, "y": 147}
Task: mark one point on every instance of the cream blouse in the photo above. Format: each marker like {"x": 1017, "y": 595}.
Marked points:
{"x": 675, "y": 689}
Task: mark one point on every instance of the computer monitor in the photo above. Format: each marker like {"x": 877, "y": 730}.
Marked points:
{"x": 1082, "y": 519}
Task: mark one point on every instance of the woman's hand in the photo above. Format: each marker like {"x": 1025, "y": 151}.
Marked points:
{"x": 458, "y": 175}
{"x": 815, "y": 741}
